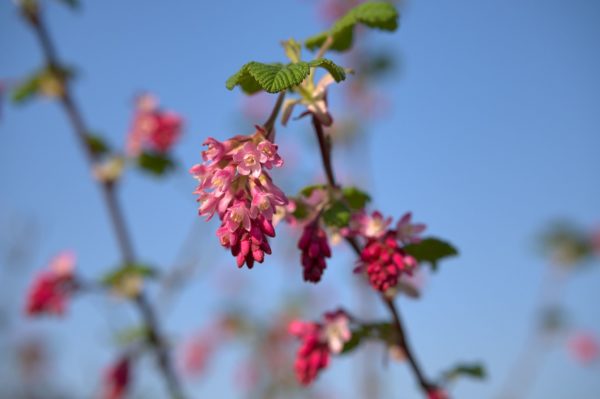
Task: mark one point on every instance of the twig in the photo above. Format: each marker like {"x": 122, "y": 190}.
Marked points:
{"x": 112, "y": 204}
{"x": 401, "y": 336}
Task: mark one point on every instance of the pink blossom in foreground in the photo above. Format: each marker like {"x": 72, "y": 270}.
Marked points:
{"x": 584, "y": 347}
{"x": 52, "y": 288}
{"x": 117, "y": 379}
{"x": 318, "y": 342}
{"x": 152, "y": 128}
{"x": 384, "y": 261}
{"x": 409, "y": 232}
{"x": 315, "y": 249}
{"x": 234, "y": 183}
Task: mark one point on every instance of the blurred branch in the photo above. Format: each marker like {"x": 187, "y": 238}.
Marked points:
{"x": 109, "y": 195}
{"x": 401, "y": 337}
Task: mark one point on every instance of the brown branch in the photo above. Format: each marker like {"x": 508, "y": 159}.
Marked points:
{"x": 113, "y": 207}
{"x": 401, "y": 337}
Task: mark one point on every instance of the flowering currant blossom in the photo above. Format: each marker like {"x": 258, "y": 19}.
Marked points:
{"x": 234, "y": 183}
{"x": 369, "y": 226}
{"x": 318, "y": 342}
{"x": 52, "y": 288}
{"x": 117, "y": 379}
{"x": 315, "y": 249}
{"x": 383, "y": 258}
{"x": 316, "y": 104}
{"x": 152, "y": 128}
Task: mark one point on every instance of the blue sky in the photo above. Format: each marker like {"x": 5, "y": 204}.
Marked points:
{"x": 494, "y": 131}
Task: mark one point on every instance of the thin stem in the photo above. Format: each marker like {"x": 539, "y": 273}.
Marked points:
{"x": 270, "y": 122}
{"x": 113, "y": 207}
{"x": 401, "y": 336}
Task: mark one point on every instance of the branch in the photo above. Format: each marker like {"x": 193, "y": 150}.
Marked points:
{"x": 112, "y": 204}
{"x": 401, "y": 337}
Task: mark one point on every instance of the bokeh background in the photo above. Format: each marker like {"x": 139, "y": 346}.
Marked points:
{"x": 487, "y": 127}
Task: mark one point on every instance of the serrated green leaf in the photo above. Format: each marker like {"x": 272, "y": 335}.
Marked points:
{"x": 374, "y": 14}
{"x": 155, "y": 163}
{"x": 337, "y": 72}
{"x": 273, "y": 78}
{"x": 431, "y": 250}
{"x": 26, "y": 89}
{"x": 473, "y": 370}
{"x": 337, "y": 215}
{"x": 355, "y": 198}
{"x": 96, "y": 144}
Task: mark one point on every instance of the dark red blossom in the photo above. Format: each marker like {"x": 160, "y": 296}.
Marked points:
{"x": 313, "y": 355}
{"x": 51, "y": 289}
{"x": 384, "y": 261}
{"x": 117, "y": 379}
{"x": 315, "y": 249}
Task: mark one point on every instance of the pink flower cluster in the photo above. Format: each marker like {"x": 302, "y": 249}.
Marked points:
{"x": 584, "y": 347}
{"x": 383, "y": 258}
{"x": 315, "y": 249}
{"x": 51, "y": 289}
{"x": 117, "y": 379}
{"x": 235, "y": 184}
{"x": 152, "y": 128}
{"x": 437, "y": 393}
{"x": 318, "y": 342}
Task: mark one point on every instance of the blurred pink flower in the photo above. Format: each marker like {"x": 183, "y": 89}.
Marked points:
{"x": 152, "y": 128}
{"x": 117, "y": 379}
{"x": 52, "y": 288}
{"x": 584, "y": 347}
{"x": 315, "y": 249}
{"x": 409, "y": 232}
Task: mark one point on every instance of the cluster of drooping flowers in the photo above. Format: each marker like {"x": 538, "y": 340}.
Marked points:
{"x": 152, "y": 129}
{"x": 117, "y": 379}
{"x": 52, "y": 288}
{"x": 383, "y": 257}
{"x": 315, "y": 249}
{"x": 235, "y": 184}
{"x": 318, "y": 342}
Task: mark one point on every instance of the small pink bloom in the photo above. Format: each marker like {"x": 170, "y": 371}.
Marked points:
{"x": 337, "y": 330}
{"x": 238, "y": 215}
{"x": 408, "y": 233}
{"x": 248, "y": 160}
{"x": 52, "y": 288}
{"x": 369, "y": 226}
{"x": 117, "y": 379}
{"x": 215, "y": 150}
{"x": 584, "y": 347}
{"x": 268, "y": 154}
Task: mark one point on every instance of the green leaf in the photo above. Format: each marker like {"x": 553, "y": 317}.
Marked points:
{"x": 374, "y": 14}
{"x": 301, "y": 211}
{"x": 116, "y": 276}
{"x": 355, "y": 198}
{"x": 308, "y": 190}
{"x": 132, "y": 334}
{"x": 473, "y": 370}
{"x": 431, "y": 250}
{"x": 337, "y": 215}
{"x": 96, "y": 144}
{"x": 26, "y": 89}
{"x": 337, "y": 72}
{"x": 273, "y": 78}
{"x": 382, "y": 331}
{"x": 155, "y": 163}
